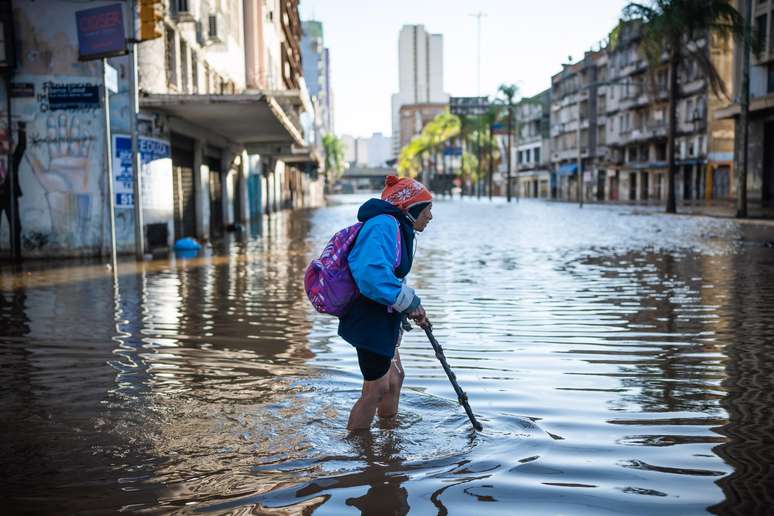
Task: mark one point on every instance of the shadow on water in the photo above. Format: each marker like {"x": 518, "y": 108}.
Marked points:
{"x": 619, "y": 362}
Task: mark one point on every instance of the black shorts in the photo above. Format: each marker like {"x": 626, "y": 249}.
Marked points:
{"x": 372, "y": 365}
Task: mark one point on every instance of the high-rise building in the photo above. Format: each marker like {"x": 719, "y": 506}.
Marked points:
{"x": 379, "y": 150}
{"x": 420, "y": 73}
{"x": 315, "y": 59}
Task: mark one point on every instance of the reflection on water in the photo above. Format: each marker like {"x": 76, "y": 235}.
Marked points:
{"x": 618, "y": 360}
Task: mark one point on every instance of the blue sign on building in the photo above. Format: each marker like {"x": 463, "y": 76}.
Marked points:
{"x": 150, "y": 149}
{"x": 101, "y": 32}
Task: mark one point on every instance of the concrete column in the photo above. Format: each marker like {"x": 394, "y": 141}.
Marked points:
{"x": 244, "y": 170}
{"x": 202, "y": 187}
{"x": 226, "y": 181}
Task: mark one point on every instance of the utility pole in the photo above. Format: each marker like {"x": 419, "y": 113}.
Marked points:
{"x": 109, "y": 162}
{"x": 580, "y": 159}
{"x": 491, "y": 159}
{"x": 478, "y": 17}
{"x": 510, "y": 138}
{"x": 517, "y": 128}
{"x": 463, "y": 144}
{"x": 478, "y": 164}
{"x": 744, "y": 116}
{"x": 139, "y": 235}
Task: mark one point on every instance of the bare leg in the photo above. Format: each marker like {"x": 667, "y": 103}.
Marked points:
{"x": 363, "y": 411}
{"x": 388, "y": 407}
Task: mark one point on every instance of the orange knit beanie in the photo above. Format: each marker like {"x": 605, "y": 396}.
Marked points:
{"x": 405, "y": 192}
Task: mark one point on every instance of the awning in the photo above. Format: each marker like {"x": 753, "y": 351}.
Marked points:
{"x": 567, "y": 169}
{"x": 256, "y": 120}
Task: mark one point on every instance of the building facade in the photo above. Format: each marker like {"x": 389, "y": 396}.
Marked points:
{"x": 760, "y": 148}
{"x": 637, "y": 108}
{"x": 414, "y": 117}
{"x": 220, "y": 138}
{"x": 577, "y": 152}
{"x": 315, "y": 61}
{"x": 616, "y": 107}
{"x": 531, "y": 149}
{"x": 420, "y": 75}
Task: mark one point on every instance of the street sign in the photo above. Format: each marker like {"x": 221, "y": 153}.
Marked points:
{"x": 101, "y": 32}
{"x": 72, "y": 96}
{"x": 468, "y": 105}
{"x": 452, "y": 151}
{"x": 111, "y": 78}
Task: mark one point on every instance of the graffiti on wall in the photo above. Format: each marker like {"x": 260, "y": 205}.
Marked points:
{"x": 60, "y": 160}
{"x": 59, "y": 170}
{"x": 57, "y": 98}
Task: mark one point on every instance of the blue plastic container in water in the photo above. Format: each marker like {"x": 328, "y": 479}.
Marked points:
{"x": 187, "y": 244}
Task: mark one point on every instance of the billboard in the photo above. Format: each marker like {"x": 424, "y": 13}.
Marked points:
{"x": 100, "y": 32}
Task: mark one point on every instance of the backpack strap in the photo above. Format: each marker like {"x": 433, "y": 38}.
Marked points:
{"x": 399, "y": 247}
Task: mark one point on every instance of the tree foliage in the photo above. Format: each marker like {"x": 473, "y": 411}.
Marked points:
{"x": 675, "y": 28}
{"x": 334, "y": 149}
{"x": 430, "y": 141}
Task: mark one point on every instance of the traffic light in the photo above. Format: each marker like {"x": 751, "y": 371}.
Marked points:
{"x": 151, "y": 19}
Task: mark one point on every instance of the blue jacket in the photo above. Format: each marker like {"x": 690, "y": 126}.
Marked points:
{"x": 373, "y": 320}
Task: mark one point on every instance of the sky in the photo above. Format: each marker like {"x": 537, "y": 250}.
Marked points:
{"x": 522, "y": 41}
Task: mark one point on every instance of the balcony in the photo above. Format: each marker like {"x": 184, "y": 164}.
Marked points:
{"x": 641, "y": 100}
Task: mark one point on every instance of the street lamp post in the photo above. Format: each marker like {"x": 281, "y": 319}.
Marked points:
{"x": 478, "y": 164}
{"x": 510, "y": 139}
{"x": 579, "y": 158}
{"x": 491, "y": 159}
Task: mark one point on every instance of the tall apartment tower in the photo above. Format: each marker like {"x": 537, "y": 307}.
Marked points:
{"x": 316, "y": 62}
{"x": 420, "y": 73}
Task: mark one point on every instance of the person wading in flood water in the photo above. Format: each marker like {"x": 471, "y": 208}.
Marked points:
{"x": 373, "y": 322}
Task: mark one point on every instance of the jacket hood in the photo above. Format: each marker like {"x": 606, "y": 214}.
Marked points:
{"x": 373, "y": 207}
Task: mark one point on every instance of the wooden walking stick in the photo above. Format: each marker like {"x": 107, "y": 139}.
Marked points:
{"x": 461, "y": 396}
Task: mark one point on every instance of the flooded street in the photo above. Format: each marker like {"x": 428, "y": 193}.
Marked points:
{"x": 620, "y": 361}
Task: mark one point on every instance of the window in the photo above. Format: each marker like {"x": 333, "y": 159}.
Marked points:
{"x": 689, "y": 110}
{"x": 184, "y": 68}
{"x": 760, "y": 29}
{"x": 770, "y": 78}
{"x": 181, "y": 6}
{"x": 170, "y": 52}
{"x": 662, "y": 81}
{"x": 536, "y": 152}
{"x": 661, "y": 152}
{"x": 519, "y": 158}
{"x": 194, "y": 72}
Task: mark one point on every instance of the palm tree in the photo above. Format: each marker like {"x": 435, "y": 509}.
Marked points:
{"x": 415, "y": 156}
{"x": 672, "y": 31}
{"x": 488, "y": 143}
{"x": 334, "y": 156}
{"x": 508, "y": 93}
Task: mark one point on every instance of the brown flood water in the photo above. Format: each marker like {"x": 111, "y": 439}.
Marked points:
{"x": 620, "y": 362}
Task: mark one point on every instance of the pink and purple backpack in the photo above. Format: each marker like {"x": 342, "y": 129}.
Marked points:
{"x": 328, "y": 281}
